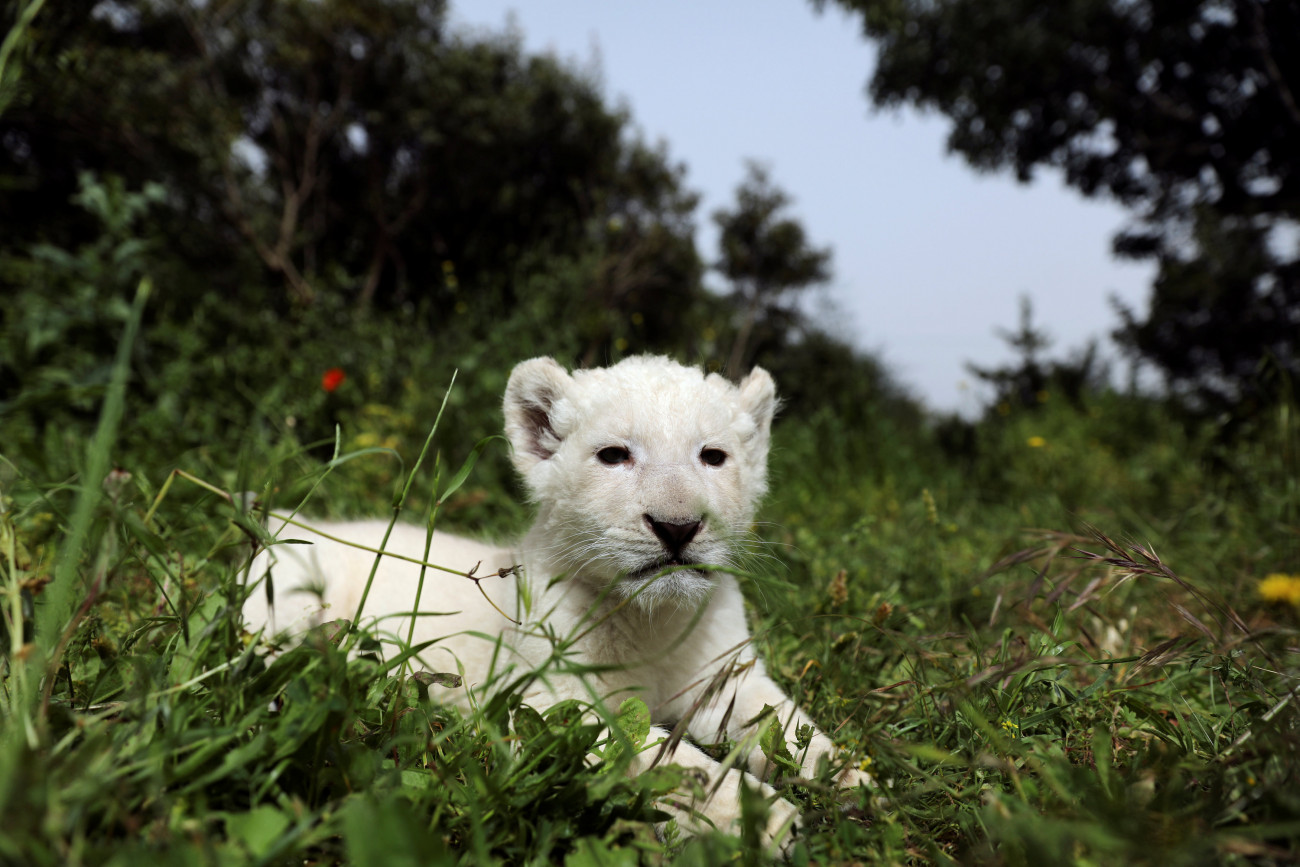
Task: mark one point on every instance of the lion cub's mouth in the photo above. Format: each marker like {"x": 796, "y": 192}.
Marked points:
{"x": 652, "y": 569}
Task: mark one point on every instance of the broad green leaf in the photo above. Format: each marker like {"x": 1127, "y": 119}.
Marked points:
{"x": 257, "y": 829}
{"x": 774, "y": 747}
{"x": 630, "y": 730}
{"x": 634, "y": 721}
{"x": 593, "y": 852}
{"x": 388, "y": 832}
{"x": 528, "y": 723}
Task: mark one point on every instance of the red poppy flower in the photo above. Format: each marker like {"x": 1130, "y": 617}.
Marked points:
{"x": 332, "y": 378}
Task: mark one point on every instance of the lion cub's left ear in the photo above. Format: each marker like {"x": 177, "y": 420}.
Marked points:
{"x": 758, "y": 398}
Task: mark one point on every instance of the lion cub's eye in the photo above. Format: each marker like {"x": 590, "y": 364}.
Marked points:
{"x": 713, "y": 457}
{"x": 614, "y": 455}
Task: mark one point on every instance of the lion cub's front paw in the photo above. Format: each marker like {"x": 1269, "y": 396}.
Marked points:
{"x": 724, "y": 811}
{"x": 779, "y": 832}
{"x": 851, "y": 778}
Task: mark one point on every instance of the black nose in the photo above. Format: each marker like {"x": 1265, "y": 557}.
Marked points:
{"x": 674, "y": 536}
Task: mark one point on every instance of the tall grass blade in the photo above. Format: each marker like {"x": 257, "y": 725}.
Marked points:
{"x": 52, "y": 617}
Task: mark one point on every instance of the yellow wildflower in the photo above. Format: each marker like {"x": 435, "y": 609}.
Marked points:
{"x": 1035, "y": 442}
{"x": 1279, "y": 587}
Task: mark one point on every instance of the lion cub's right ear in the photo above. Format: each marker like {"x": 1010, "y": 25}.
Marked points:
{"x": 535, "y": 387}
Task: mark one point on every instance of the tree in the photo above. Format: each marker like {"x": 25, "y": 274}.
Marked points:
{"x": 766, "y": 257}
{"x": 313, "y": 169}
{"x": 353, "y": 147}
{"x": 1184, "y": 111}
{"x": 313, "y": 183}
{"x": 1029, "y": 381}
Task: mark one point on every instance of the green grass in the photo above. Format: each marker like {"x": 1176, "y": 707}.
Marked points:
{"x": 1051, "y": 650}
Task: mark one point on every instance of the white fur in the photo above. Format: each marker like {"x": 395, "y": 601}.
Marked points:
{"x": 592, "y": 565}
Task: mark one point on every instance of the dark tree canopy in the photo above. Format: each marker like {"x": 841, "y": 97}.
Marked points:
{"x": 1186, "y": 112}
{"x": 351, "y": 146}
{"x": 310, "y": 163}
{"x": 294, "y": 174}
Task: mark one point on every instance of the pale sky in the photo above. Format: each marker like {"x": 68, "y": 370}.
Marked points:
{"x": 929, "y": 257}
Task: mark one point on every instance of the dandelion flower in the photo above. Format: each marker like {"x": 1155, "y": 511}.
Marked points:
{"x": 1279, "y": 587}
{"x": 1035, "y": 442}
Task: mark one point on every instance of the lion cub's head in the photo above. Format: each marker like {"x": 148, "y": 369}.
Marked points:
{"x": 637, "y": 468}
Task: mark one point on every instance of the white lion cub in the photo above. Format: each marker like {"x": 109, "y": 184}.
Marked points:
{"x": 640, "y": 472}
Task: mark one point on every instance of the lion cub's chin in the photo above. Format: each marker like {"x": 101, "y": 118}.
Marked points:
{"x": 658, "y": 586}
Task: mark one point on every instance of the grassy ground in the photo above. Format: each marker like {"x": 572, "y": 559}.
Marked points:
{"x": 1060, "y": 648}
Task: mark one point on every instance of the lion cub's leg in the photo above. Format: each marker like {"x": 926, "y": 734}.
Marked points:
{"x": 713, "y": 803}
{"x": 717, "y": 803}
{"x": 736, "y": 713}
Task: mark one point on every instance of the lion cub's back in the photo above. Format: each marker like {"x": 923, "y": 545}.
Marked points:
{"x": 323, "y": 580}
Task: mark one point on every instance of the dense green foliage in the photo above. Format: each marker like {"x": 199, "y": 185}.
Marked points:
{"x": 297, "y": 174}
{"x": 1186, "y": 112}
{"x": 1026, "y": 689}
{"x": 1018, "y": 701}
